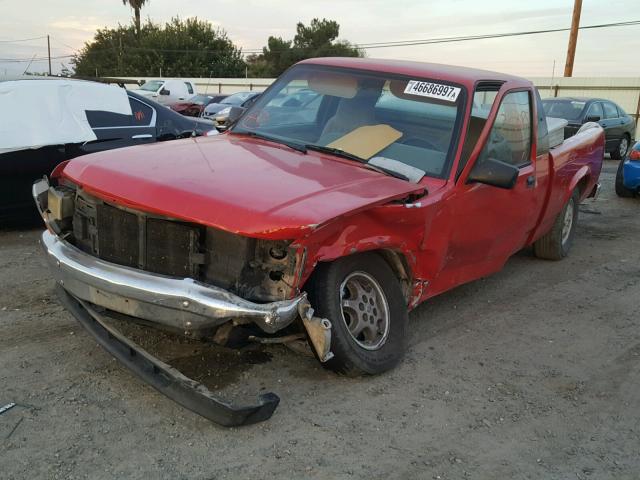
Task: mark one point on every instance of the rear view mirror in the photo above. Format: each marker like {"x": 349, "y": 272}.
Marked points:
{"x": 491, "y": 171}
{"x": 592, "y": 118}
{"x": 165, "y": 92}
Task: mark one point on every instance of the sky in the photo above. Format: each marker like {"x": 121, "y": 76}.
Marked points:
{"x": 248, "y": 23}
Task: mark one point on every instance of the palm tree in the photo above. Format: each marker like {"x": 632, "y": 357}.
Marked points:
{"x": 136, "y": 5}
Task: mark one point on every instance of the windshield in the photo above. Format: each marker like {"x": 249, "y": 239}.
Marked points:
{"x": 385, "y": 120}
{"x": 152, "y": 85}
{"x": 567, "y": 109}
{"x": 237, "y": 98}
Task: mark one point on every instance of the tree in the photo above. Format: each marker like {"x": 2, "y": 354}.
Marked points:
{"x": 188, "y": 48}
{"x": 136, "y": 5}
{"x": 316, "y": 40}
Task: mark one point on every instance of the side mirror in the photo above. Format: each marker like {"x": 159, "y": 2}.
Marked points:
{"x": 165, "y": 92}
{"x": 592, "y": 118}
{"x": 234, "y": 115}
{"x": 491, "y": 171}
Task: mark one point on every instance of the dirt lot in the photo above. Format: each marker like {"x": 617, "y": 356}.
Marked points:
{"x": 532, "y": 373}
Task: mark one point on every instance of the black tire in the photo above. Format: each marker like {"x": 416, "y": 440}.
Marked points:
{"x": 621, "y": 190}
{"x": 325, "y": 293}
{"x": 552, "y": 246}
{"x": 618, "y": 153}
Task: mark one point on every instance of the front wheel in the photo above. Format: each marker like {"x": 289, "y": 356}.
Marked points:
{"x": 362, "y": 298}
{"x": 555, "y": 244}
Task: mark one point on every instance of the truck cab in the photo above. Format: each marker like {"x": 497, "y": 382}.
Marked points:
{"x": 166, "y": 91}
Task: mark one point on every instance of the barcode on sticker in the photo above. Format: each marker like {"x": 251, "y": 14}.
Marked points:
{"x": 432, "y": 90}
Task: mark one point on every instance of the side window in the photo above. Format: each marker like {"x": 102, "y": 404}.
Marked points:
{"x": 510, "y": 137}
{"x": 142, "y": 114}
{"x": 621, "y": 112}
{"x": 189, "y": 87}
{"x": 610, "y": 110}
{"x": 483, "y": 99}
{"x": 102, "y": 119}
{"x": 595, "y": 110}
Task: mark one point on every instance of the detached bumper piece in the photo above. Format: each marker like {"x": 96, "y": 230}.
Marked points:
{"x": 163, "y": 377}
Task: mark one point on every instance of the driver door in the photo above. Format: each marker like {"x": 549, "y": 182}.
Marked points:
{"x": 489, "y": 224}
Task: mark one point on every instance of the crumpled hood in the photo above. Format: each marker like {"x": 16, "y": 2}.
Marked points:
{"x": 235, "y": 183}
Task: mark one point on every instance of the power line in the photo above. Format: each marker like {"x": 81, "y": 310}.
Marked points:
{"x": 487, "y": 36}
{"x": 362, "y": 46}
{"x": 33, "y": 59}
{"x": 23, "y": 39}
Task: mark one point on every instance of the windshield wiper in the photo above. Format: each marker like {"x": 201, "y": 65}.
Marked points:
{"x": 295, "y": 146}
{"x": 341, "y": 153}
{"x": 334, "y": 151}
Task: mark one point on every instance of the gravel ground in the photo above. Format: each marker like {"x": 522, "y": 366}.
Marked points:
{"x": 531, "y": 373}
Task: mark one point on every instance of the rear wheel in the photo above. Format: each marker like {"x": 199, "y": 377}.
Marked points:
{"x": 621, "y": 190}
{"x": 555, "y": 245}
{"x": 623, "y": 147}
{"x": 362, "y": 298}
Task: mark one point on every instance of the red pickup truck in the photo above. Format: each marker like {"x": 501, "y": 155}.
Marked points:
{"x": 350, "y": 192}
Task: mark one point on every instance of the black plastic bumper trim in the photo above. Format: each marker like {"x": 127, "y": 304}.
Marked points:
{"x": 163, "y": 377}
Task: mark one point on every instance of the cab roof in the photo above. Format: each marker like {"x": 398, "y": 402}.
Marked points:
{"x": 436, "y": 71}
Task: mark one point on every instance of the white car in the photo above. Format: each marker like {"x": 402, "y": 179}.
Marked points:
{"x": 167, "y": 91}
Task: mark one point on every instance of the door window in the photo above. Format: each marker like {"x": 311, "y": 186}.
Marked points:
{"x": 595, "y": 110}
{"x": 142, "y": 113}
{"x": 189, "y": 87}
{"x": 102, "y": 119}
{"x": 483, "y": 99}
{"x": 510, "y": 137}
{"x": 610, "y": 110}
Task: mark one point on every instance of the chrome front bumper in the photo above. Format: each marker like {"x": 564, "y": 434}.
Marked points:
{"x": 181, "y": 304}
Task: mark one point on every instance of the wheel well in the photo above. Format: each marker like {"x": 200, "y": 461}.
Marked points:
{"x": 582, "y": 184}
{"x": 398, "y": 263}
{"x": 396, "y": 260}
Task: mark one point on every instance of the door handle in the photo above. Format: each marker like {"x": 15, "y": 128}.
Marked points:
{"x": 531, "y": 181}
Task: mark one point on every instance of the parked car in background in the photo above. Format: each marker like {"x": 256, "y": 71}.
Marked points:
{"x": 196, "y": 105}
{"x": 166, "y": 91}
{"x": 66, "y": 119}
{"x": 227, "y": 115}
{"x": 331, "y": 228}
{"x": 628, "y": 174}
{"x": 240, "y": 99}
{"x": 619, "y": 127}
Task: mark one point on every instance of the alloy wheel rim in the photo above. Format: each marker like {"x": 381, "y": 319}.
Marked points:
{"x": 365, "y": 310}
{"x": 567, "y": 223}
{"x": 624, "y": 145}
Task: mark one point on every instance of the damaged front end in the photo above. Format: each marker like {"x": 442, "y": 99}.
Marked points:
{"x": 174, "y": 275}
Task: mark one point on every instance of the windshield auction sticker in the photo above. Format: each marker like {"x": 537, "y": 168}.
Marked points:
{"x": 432, "y": 90}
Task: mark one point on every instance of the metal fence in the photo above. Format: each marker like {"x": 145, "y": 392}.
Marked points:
{"x": 625, "y": 91}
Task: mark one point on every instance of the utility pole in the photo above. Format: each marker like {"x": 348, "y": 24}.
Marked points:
{"x": 49, "y": 52}
{"x": 573, "y": 38}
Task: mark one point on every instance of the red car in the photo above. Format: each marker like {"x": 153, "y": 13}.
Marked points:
{"x": 398, "y": 181}
{"x": 196, "y": 105}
